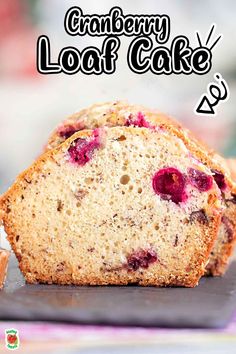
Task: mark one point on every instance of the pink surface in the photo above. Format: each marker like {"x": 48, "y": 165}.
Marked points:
{"x": 44, "y": 337}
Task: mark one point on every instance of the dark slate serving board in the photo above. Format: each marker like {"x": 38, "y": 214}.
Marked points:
{"x": 210, "y": 305}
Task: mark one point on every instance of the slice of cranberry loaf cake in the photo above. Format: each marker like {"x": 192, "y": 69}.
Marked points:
{"x": 122, "y": 114}
{"x": 114, "y": 206}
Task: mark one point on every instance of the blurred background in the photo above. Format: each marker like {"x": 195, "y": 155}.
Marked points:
{"x": 32, "y": 104}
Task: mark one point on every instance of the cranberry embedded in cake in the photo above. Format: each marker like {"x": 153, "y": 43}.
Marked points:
{"x": 141, "y": 259}
{"x": 170, "y": 183}
{"x": 219, "y": 179}
{"x": 81, "y": 150}
{"x": 67, "y": 131}
{"x": 200, "y": 180}
{"x": 139, "y": 122}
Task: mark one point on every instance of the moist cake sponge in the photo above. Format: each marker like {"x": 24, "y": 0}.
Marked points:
{"x": 122, "y": 114}
{"x": 114, "y": 206}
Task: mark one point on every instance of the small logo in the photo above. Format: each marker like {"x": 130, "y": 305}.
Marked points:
{"x": 217, "y": 92}
{"x": 12, "y": 339}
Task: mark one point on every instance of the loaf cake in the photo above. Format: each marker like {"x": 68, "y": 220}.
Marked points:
{"x": 118, "y": 205}
{"x": 122, "y": 114}
{"x": 4, "y": 257}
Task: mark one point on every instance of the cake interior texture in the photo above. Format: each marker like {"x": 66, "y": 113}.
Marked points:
{"x": 120, "y": 113}
{"x": 114, "y": 206}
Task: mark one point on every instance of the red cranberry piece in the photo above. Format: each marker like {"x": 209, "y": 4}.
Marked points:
{"x": 200, "y": 180}
{"x": 133, "y": 263}
{"x": 67, "y": 131}
{"x": 81, "y": 150}
{"x": 141, "y": 259}
{"x": 169, "y": 183}
{"x": 229, "y": 227}
{"x": 219, "y": 179}
{"x": 140, "y": 121}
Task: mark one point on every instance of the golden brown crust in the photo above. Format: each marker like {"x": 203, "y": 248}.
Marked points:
{"x": 24, "y": 179}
